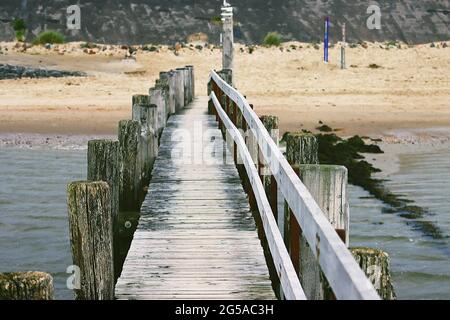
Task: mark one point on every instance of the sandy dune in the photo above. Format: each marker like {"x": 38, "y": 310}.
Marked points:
{"x": 410, "y": 89}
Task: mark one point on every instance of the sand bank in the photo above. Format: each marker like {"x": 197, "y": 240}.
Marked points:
{"x": 408, "y": 89}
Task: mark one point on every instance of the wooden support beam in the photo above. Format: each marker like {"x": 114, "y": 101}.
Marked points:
{"x": 26, "y": 286}
{"x": 271, "y": 123}
{"x": 91, "y": 238}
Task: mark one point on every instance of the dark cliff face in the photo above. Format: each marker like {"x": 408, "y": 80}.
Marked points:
{"x": 168, "y": 21}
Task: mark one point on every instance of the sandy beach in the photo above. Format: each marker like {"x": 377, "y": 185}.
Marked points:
{"x": 406, "y": 88}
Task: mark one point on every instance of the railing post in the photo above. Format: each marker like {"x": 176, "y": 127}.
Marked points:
{"x": 293, "y": 231}
{"x": 271, "y": 123}
{"x": 91, "y": 238}
{"x": 26, "y": 286}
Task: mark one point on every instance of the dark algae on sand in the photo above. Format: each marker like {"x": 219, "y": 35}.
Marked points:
{"x": 348, "y": 152}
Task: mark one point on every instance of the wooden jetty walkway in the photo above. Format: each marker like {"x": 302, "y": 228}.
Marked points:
{"x": 223, "y": 213}
{"x": 196, "y": 237}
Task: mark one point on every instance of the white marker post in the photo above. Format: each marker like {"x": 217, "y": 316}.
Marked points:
{"x": 343, "y": 44}
{"x": 228, "y": 38}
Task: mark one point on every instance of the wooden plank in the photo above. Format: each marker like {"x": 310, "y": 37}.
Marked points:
{"x": 345, "y": 276}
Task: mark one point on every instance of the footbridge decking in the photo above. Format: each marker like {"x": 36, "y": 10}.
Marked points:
{"x": 196, "y": 237}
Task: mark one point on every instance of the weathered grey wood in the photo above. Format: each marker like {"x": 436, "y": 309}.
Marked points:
{"x": 196, "y": 237}
{"x": 147, "y": 115}
{"x": 228, "y": 37}
{"x": 302, "y": 148}
{"x": 290, "y": 284}
{"x": 91, "y": 238}
{"x": 271, "y": 123}
{"x": 26, "y": 286}
{"x": 103, "y": 165}
{"x": 376, "y": 265}
{"x": 346, "y": 278}
{"x": 328, "y": 186}
{"x": 185, "y": 77}
{"x": 131, "y": 173}
{"x": 191, "y": 83}
{"x": 158, "y": 97}
{"x": 178, "y": 84}
{"x": 168, "y": 80}
{"x": 226, "y": 75}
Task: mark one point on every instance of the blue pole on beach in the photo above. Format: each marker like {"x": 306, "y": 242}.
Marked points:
{"x": 325, "y": 42}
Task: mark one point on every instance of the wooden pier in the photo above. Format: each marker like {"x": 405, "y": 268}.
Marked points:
{"x": 222, "y": 213}
{"x": 196, "y": 237}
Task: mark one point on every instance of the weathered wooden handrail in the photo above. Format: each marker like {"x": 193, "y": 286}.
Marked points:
{"x": 344, "y": 275}
{"x": 288, "y": 278}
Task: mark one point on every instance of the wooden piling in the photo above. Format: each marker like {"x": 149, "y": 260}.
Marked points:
{"x": 302, "y": 148}
{"x": 376, "y": 265}
{"x": 130, "y": 187}
{"x": 91, "y": 238}
{"x": 186, "y": 84}
{"x": 103, "y": 165}
{"x": 166, "y": 80}
{"x": 178, "y": 83}
{"x": 191, "y": 83}
{"x": 26, "y": 286}
{"x": 328, "y": 186}
{"x": 158, "y": 97}
{"x": 147, "y": 116}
